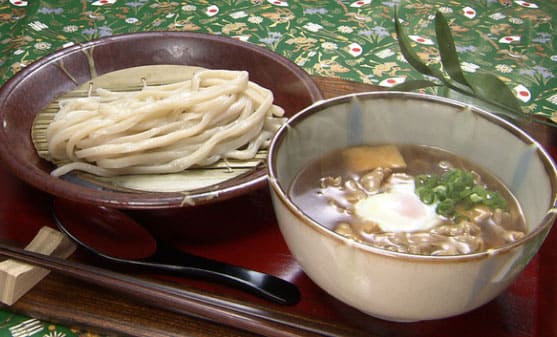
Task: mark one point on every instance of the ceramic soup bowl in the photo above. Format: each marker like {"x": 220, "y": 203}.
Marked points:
{"x": 398, "y": 286}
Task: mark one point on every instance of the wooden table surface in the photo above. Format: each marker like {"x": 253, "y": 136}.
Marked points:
{"x": 527, "y": 308}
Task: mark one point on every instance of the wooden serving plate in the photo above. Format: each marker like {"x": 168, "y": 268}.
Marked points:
{"x": 88, "y": 295}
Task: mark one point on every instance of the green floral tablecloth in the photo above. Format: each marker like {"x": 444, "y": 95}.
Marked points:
{"x": 14, "y": 325}
{"x": 347, "y": 39}
{"x": 352, "y": 39}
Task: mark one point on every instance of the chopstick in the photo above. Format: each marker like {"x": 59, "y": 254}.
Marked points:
{"x": 178, "y": 300}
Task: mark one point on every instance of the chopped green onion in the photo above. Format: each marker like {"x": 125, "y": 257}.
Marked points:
{"x": 475, "y": 198}
{"x": 446, "y": 208}
{"x": 455, "y": 187}
{"x": 440, "y": 191}
{"x": 495, "y": 200}
{"x": 426, "y": 195}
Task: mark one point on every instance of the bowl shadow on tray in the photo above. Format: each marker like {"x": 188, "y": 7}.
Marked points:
{"x": 241, "y": 230}
{"x": 213, "y": 223}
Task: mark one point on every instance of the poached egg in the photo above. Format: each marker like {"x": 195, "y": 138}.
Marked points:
{"x": 398, "y": 208}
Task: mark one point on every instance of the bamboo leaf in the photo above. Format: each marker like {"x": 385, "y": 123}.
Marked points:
{"x": 414, "y": 85}
{"x": 409, "y": 54}
{"x": 491, "y": 89}
{"x": 447, "y": 50}
{"x": 485, "y": 89}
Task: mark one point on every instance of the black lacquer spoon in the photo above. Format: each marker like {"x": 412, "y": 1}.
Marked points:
{"x": 116, "y": 237}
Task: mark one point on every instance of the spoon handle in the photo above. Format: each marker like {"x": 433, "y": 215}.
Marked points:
{"x": 177, "y": 262}
{"x": 110, "y": 223}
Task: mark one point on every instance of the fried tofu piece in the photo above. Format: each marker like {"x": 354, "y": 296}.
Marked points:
{"x": 365, "y": 158}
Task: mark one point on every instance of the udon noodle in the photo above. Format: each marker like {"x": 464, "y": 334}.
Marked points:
{"x": 218, "y": 114}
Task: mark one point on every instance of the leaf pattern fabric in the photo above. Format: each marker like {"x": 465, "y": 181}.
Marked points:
{"x": 353, "y": 39}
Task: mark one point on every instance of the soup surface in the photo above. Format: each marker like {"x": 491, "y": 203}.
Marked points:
{"x": 409, "y": 199}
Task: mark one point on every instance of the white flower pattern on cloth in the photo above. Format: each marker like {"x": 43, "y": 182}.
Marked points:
{"x": 352, "y": 40}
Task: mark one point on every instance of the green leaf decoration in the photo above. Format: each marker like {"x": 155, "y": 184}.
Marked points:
{"x": 447, "y": 50}
{"x": 414, "y": 85}
{"x": 491, "y": 89}
{"x": 408, "y": 53}
{"x": 484, "y": 87}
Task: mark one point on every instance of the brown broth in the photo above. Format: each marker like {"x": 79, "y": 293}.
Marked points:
{"x": 334, "y": 206}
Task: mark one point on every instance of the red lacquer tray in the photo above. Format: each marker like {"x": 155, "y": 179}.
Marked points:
{"x": 244, "y": 231}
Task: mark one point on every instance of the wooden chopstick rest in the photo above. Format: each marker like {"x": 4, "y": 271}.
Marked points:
{"x": 16, "y": 278}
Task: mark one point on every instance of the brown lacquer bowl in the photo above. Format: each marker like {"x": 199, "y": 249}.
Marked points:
{"x": 35, "y": 87}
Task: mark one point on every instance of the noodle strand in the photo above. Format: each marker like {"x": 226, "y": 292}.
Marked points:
{"x": 218, "y": 114}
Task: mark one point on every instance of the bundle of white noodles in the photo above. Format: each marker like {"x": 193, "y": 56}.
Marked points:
{"x": 164, "y": 129}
